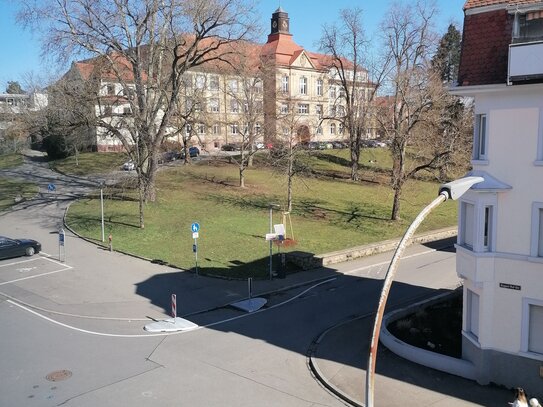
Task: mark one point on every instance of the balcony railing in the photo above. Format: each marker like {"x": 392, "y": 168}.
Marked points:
{"x": 525, "y": 62}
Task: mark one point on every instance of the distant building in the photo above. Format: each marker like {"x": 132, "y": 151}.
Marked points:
{"x": 500, "y": 238}
{"x": 294, "y": 90}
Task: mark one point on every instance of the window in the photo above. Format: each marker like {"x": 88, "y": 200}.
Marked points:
{"x": 303, "y": 108}
{"x": 332, "y": 92}
{"x": 528, "y": 27}
{"x": 216, "y": 128}
{"x": 487, "y": 229}
{"x": 319, "y": 87}
{"x": 126, "y": 110}
{"x": 234, "y": 106}
{"x": 480, "y": 140}
{"x": 319, "y": 130}
{"x": 537, "y": 230}
{"x": 258, "y": 128}
{"x": 332, "y": 128}
{"x": 341, "y": 128}
{"x": 233, "y": 85}
{"x": 303, "y": 85}
{"x": 234, "y": 128}
{"x": 341, "y": 111}
{"x": 535, "y": 328}
{"x": 284, "y": 108}
{"x": 200, "y": 81}
{"x": 108, "y": 110}
{"x": 213, "y": 105}
{"x": 332, "y": 111}
{"x": 284, "y": 84}
{"x": 201, "y": 128}
{"x": 188, "y": 129}
{"x": 472, "y": 313}
{"x": 110, "y": 89}
{"x": 467, "y": 227}
{"x": 214, "y": 82}
{"x": 318, "y": 110}
{"x": 286, "y": 131}
{"x": 258, "y": 86}
{"x": 246, "y": 107}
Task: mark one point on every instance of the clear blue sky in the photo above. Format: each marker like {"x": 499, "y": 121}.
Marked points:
{"x": 20, "y": 50}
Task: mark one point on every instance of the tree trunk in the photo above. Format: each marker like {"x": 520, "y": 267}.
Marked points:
{"x": 396, "y": 204}
{"x": 289, "y": 182}
{"x": 141, "y": 189}
{"x": 355, "y": 157}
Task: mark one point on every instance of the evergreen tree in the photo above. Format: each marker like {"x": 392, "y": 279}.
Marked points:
{"x": 14, "y": 88}
{"x": 447, "y": 58}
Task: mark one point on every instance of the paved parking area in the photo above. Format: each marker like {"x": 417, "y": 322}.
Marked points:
{"x": 24, "y": 268}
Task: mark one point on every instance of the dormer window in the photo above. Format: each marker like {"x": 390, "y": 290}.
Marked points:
{"x": 528, "y": 27}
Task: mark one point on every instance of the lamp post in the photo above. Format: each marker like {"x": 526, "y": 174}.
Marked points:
{"x": 272, "y": 206}
{"x": 102, "y": 207}
{"x": 451, "y": 190}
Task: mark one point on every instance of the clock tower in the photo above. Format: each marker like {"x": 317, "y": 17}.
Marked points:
{"x": 280, "y": 22}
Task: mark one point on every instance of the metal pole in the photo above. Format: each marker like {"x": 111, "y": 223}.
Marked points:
{"x": 271, "y": 248}
{"x": 196, "y": 254}
{"x": 389, "y": 277}
{"x": 102, "y": 207}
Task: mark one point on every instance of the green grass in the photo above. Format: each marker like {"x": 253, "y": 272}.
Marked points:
{"x": 89, "y": 163}
{"x": 327, "y": 215}
{"x": 10, "y": 160}
{"x": 10, "y": 190}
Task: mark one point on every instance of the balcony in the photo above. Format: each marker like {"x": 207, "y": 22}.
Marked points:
{"x": 525, "y": 62}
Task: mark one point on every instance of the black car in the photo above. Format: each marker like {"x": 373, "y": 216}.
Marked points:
{"x": 18, "y": 247}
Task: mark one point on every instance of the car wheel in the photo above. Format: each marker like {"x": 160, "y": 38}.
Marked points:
{"x": 30, "y": 251}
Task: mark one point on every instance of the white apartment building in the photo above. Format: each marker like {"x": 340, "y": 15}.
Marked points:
{"x": 500, "y": 240}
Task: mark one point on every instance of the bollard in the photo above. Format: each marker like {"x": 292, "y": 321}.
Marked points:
{"x": 110, "y": 238}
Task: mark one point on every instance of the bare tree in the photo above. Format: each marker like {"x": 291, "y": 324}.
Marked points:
{"x": 145, "y": 46}
{"x": 347, "y": 46}
{"x": 408, "y": 43}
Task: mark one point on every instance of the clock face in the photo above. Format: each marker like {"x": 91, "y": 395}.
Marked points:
{"x": 274, "y": 24}
{"x": 284, "y": 25}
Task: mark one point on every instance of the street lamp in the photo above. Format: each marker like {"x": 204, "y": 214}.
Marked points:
{"x": 102, "y": 207}
{"x": 272, "y": 206}
{"x": 451, "y": 190}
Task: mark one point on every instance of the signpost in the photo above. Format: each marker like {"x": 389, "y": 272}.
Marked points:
{"x": 61, "y": 247}
{"x": 195, "y": 228}
{"x": 174, "y": 306}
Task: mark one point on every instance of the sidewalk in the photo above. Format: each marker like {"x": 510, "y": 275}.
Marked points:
{"x": 339, "y": 359}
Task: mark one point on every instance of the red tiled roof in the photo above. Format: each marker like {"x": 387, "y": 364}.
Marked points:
{"x": 485, "y": 47}
{"x": 482, "y": 3}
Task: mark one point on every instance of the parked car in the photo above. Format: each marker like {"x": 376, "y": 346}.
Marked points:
{"x": 194, "y": 151}
{"x": 338, "y": 144}
{"x": 229, "y": 147}
{"x": 18, "y": 247}
{"x": 129, "y": 166}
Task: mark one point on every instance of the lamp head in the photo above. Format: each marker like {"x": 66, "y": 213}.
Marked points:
{"x": 455, "y": 189}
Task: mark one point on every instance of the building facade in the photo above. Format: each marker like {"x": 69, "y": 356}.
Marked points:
{"x": 500, "y": 239}
{"x": 273, "y": 92}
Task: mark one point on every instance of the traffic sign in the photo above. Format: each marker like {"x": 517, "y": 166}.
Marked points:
{"x": 61, "y": 237}
{"x": 195, "y": 235}
{"x": 195, "y": 227}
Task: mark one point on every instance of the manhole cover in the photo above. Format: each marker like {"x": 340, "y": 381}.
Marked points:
{"x": 59, "y": 375}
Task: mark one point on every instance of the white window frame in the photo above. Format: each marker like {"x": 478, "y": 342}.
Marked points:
{"x": 320, "y": 84}
{"x": 284, "y": 108}
{"x": 332, "y": 92}
{"x": 284, "y": 84}
{"x": 473, "y": 313}
{"x": 233, "y": 85}
{"x": 234, "y": 106}
{"x": 318, "y": 110}
{"x": 234, "y": 128}
{"x": 303, "y": 108}
{"x": 216, "y": 128}
{"x": 214, "y": 105}
{"x": 536, "y": 249}
{"x": 214, "y": 83}
{"x": 480, "y": 137}
{"x": 488, "y": 227}
{"x": 525, "y": 328}
{"x": 319, "y": 130}
{"x": 201, "y": 128}
{"x": 332, "y": 128}
{"x": 465, "y": 230}
{"x": 303, "y": 85}
{"x": 200, "y": 81}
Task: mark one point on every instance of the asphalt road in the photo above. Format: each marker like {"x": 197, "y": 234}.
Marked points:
{"x": 72, "y": 332}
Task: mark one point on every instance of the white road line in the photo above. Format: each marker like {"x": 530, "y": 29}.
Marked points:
{"x": 36, "y": 276}
{"x": 19, "y": 262}
{"x": 357, "y": 270}
{"x": 166, "y": 334}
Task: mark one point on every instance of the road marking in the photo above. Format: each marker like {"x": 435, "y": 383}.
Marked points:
{"x": 25, "y": 269}
{"x": 388, "y": 262}
{"x": 171, "y": 333}
{"x": 20, "y": 262}
{"x": 36, "y": 276}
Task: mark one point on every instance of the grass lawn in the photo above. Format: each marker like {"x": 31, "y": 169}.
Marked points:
{"x": 327, "y": 215}
{"x": 89, "y": 163}
{"x": 10, "y": 160}
{"x": 9, "y": 189}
